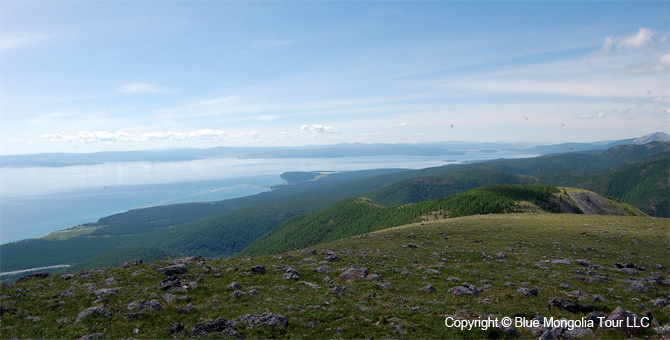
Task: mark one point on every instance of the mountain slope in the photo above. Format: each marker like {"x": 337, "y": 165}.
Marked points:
{"x": 472, "y": 267}
{"x": 363, "y": 215}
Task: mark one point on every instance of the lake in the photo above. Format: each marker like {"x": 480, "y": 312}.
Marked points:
{"x": 35, "y": 201}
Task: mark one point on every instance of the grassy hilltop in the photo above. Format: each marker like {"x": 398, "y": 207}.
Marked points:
{"x": 597, "y": 263}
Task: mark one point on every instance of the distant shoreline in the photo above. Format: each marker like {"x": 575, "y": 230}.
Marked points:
{"x": 33, "y": 269}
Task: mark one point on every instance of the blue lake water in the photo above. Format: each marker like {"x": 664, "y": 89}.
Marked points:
{"x": 35, "y": 201}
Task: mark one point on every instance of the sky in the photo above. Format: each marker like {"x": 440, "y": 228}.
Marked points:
{"x": 84, "y": 76}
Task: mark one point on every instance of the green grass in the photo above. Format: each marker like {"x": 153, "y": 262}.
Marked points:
{"x": 453, "y": 246}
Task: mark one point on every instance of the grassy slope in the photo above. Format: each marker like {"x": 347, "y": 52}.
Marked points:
{"x": 455, "y": 247}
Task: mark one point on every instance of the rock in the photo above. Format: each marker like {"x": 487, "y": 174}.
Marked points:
{"x": 259, "y": 270}
{"x": 266, "y": 320}
{"x": 134, "y": 315}
{"x": 406, "y": 272}
{"x": 638, "y": 286}
{"x": 332, "y": 257}
{"x": 173, "y": 269}
{"x": 132, "y": 263}
{"x": 432, "y": 272}
{"x": 578, "y": 333}
{"x": 583, "y": 262}
{"x": 384, "y": 285}
{"x": 547, "y": 335}
{"x": 106, "y": 291}
{"x": 324, "y": 270}
{"x": 528, "y": 292}
{"x": 596, "y": 316}
{"x": 168, "y": 297}
{"x": 143, "y": 304}
{"x": 428, "y": 288}
{"x": 501, "y": 255}
{"x": 624, "y": 318}
{"x": 234, "y": 286}
{"x": 92, "y": 336}
{"x": 238, "y": 294}
{"x": 67, "y": 276}
{"x": 310, "y": 285}
{"x": 65, "y": 294}
{"x": 40, "y": 275}
{"x": 290, "y": 274}
{"x": 629, "y": 271}
{"x": 98, "y": 310}
{"x": 661, "y": 302}
{"x": 175, "y": 328}
{"x": 559, "y": 261}
{"x": 453, "y": 278}
{"x": 463, "y": 290}
{"x": 398, "y": 329}
{"x": 353, "y": 274}
{"x": 186, "y": 260}
{"x": 220, "y": 325}
{"x": 373, "y": 277}
{"x": 188, "y": 309}
{"x": 598, "y": 298}
{"x": 339, "y": 289}
{"x": 570, "y": 306}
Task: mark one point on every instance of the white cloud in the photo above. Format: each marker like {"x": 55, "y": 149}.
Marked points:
{"x": 88, "y": 137}
{"x": 595, "y": 115}
{"x": 370, "y": 134}
{"x": 8, "y": 42}
{"x": 140, "y": 88}
{"x": 664, "y": 59}
{"x": 318, "y": 129}
{"x": 643, "y": 37}
{"x": 403, "y": 124}
{"x": 661, "y": 100}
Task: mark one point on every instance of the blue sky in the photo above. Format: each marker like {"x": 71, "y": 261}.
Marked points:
{"x": 79, "y": 76}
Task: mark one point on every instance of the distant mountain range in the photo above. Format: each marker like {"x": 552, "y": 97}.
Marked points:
{"x": 338, "y": 150}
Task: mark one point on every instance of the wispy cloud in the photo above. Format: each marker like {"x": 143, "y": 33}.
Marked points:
{"x": 11, "y": 42}
{"x": 142, "y": 88}
{"x": 595, "y": 115}
{"x": 88, "y": 137}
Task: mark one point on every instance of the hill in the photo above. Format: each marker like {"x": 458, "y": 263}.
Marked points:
{"x": 362, "y": 215}
{"x": 633, "y": 173}
{"x": 526, "y": 266}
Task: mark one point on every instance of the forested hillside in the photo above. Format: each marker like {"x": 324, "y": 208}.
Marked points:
{"x": 363, "y": 215}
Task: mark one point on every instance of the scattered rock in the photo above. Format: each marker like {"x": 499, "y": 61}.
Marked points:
{"x": 290, "y": 274}
{"x": 353, "y": 274}
{"x": 187, "y": 309}
{"x": 583, "y": 262}
{"x": 234, "y": 286}
{"x": 570, "y": 306}
{"x": 67, "y": 276}
{"x": 624, "y": 318}
{"x": 428, "y": 288}
{"x": 332, "y": 257}
{"x": 40, "y": 275}
{"x": 432, "y": 272}
{"x": 143, "y": 304}
{"x": 324, "y": 270}
{"x": 661, "y": 302}
{"x": 559, "y": 261}
{"x": 106, "y": 291}
{"x": 259, "y": 270}
{"x": 310, "y": 285}
{"x": 528, "y": 292}
{"x": 98, "y": 310}
{"x": 638, "y": 286}
{"x": 339, "y": 289}
{"x": 220, "y": 325}
{"x": 464, "y": 289}
{"x": 92, "y": 336}
{"x": 173, "y": 269}
{"x": 266, "y": 319}
{"x": 384, "y": 285}
{"x": 373, "y": 277}
{"x": 168, "y": 297}
{"x": 175, "y": 328}
{"x": 132, "y": 263}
